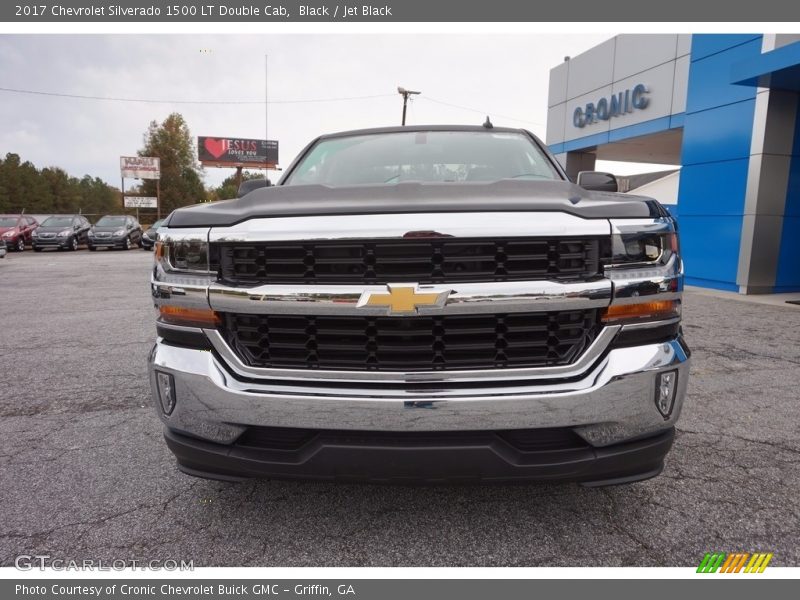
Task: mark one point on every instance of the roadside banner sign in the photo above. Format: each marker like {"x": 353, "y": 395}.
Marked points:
{"x": 140, "y": 167}
{"x": 141, "y": 202}
{"x": 237, "y": 152}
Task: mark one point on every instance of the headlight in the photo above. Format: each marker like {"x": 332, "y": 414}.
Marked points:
{"x": 8, "y": 234}
{"x": 119, "y": 232}
{"x": 35, "y": 233}
{"x": 65, "y": 233}
{"x": 91, "y": 233}
{"x": 642, "y": 260}
{"x": 183, "y": 255}
{"x": 642, "y": 248}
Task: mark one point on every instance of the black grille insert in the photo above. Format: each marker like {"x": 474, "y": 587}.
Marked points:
{"x": 435, "y": 260}
{"x": 523, "y": 440}
{"x": 411, "y": 343}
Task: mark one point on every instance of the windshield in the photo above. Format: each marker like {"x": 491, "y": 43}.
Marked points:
{"x": 8, "y": 221}
{"x": 111, "y": 222}
{"x": 57, "y": 222}
{"x": 431, "y": 156}
{"x": 157, "y": 224}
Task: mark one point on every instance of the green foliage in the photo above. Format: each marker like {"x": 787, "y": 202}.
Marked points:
{"x": 181, "y": 183}
{"x": 51, "y": 190}
{"x": 228, "y": 188}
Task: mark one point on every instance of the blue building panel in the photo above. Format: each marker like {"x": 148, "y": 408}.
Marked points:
{"x": 621, "y": 133}
{"x": 792, "y": 206}
{"x": 710, "y": 247}
{"x": 787, "y": 278}
{"x": 588, "y": 141}
{"x": 645, "y": 128}
{"x": 706, "y": 45}
{"x": 722, "y": 133}
{"x": 710, "y": 83}
{"x": 716, "y": 188}
{"x": 777, "y": 69}
{"x": 715, "y": 154}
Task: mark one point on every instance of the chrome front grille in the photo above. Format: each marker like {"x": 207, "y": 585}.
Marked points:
{"x": 415, "y": 259}
{"x": 451, "y": 342}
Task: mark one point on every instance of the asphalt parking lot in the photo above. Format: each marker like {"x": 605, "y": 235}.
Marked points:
{"x": 84, "y": 473}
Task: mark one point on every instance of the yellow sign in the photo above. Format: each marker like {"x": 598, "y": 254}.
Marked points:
{"x": 404, "y": 299}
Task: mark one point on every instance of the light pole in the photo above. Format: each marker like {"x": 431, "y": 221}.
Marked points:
{"x": 405, "y": 94}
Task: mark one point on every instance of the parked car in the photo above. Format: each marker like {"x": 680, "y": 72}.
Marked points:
{"x": 115, "y": 231}
{"x": 421, "y": 303}
{"x": 64, "y": 232}
{"x": 150, "y": 237}
{"x": 16, "y": 230}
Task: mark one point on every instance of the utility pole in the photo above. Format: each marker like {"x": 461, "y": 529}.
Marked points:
{"x": 405, "y": 94}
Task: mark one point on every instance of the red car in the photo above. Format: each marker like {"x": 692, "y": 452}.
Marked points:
{"x": 15, "y": 230}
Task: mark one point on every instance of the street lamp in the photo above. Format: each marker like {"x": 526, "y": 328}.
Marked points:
{"x": 405, "y": 94}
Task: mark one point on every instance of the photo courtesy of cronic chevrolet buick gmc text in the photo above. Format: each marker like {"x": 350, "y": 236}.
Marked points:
{"x": 65, "y": 232}
{"x": 115, "y": 231}
{"x": 422, "y": 304}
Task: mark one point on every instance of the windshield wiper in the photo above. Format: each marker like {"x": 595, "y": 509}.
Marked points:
{"x": 527, "y": 175}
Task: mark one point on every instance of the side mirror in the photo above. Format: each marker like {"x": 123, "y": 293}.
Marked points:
{"x": 252, "y": 184}
{"x": 597, "y": 181}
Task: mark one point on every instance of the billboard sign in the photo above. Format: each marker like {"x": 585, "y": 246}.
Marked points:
{"x": 141, "y": 202}
{"x": 237, "y": 152}
{"x": 140, "y": 167}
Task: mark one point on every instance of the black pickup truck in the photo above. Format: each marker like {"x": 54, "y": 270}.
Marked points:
{"x": 421, "y": 304}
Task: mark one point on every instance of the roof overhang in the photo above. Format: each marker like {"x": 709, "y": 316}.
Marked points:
{"x": 777, "y": 69}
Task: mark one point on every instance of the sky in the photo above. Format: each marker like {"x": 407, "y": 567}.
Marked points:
{"x": 462, "y": 78}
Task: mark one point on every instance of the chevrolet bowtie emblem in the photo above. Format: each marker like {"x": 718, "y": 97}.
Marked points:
{"x": 404, "y": 299}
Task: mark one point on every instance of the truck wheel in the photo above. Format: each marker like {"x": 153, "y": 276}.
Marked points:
{"x": 21, "y": 244}
{"x": 93, "y": 248}
{"x": 35, "y": 249}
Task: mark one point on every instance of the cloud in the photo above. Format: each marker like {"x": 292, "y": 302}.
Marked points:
{"x": 497, "y": 74}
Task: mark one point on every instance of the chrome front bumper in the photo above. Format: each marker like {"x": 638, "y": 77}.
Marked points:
{"x": 612, "y": 401}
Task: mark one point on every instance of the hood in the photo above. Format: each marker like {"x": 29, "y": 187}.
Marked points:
{"x": 52, "y": 229}
{"x": 5, "y": 229}
{"x": 96, "y": 228}
{"x": 414, "y": 197}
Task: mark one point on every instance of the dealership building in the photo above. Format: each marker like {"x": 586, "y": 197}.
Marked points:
{"x": 723, "y": 109}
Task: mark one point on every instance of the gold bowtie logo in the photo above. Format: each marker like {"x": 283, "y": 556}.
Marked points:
{"x": 404, "y": 299}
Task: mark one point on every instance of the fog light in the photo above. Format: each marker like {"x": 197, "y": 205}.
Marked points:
{"x": 666, "y": 386}
{"x": 166, "y": 392}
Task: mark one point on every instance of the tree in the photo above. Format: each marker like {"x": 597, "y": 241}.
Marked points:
{"x": 181, "y": 183}
{"x": 51, "y": 190}
{"x": 228, "y": 188}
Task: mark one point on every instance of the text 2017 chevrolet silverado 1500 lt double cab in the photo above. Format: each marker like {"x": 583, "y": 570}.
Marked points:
{"x": 421, "y": 303}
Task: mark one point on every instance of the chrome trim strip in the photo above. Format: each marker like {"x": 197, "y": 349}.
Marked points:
{"x": 587, "y": 359}
{"x": 659, "y": 282}
{"x": 179, "y": 294}
{"x": 399, "y": 226}
{"x": 650, "y": 324}
{"x": 464, "y": 298}
{"x": 657, "y": 225}
{"x": 178, "y": 328}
